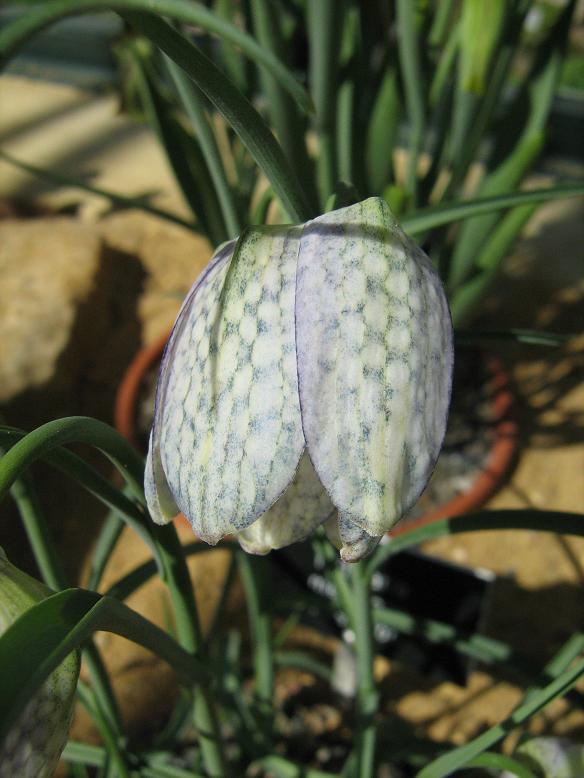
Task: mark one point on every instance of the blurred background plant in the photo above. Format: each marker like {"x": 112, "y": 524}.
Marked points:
{"x": 430, "y": 105}
{"x": 442, "y": 108}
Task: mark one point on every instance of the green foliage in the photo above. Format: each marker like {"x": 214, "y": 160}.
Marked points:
{"x": 402, "y": 100}
{"x": 449, "y": 86}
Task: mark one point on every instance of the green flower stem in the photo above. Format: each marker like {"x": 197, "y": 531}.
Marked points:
{"x": 254, "y": 575}
{"x": 113, "y": 749}
{"x": 367, "y": 696}
{"x": 190, "y": 637}
{"x": 335, "y": 574}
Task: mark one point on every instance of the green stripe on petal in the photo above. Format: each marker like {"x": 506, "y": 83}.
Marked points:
{"x": 230, "y": 431}
{"x": 374, "y": 350}
{"x": 300, "y": 510}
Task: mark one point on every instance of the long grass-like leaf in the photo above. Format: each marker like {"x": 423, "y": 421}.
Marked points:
{"x": 382, "y": 133}
{"x": 288, "y": 124}
{"x": 192, "y": 103}
{"x": 34, "y": 645}
{"x": 448, "y": 763}
{"x": 73, "y": 429}
{"x": 464, "y": 300}
{"x": 182, "y": 151}
{"x": 41, "y": 15}
{"x": 435, "y": 216}
{"x": 235, "y": 108}
{"x": 324, "y": 20}
{"x": 90, "y": 479}
{"x": 563, "y": 523}
{"x": 118, "y": 200}
{"x": 413, "y": 82}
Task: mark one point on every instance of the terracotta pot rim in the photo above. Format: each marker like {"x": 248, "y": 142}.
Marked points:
{"x": 484, "y": 486}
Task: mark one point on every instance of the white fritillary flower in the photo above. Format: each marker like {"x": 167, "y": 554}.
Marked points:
{"x": 307, "y": 380}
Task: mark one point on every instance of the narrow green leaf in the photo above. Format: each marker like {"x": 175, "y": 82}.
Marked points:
{"x": 413, "y": 82}
{"x": 500, "y": 762}
{"x": 304, "y": 662}
{"x": 288, "y": 124}
{"x": 532, "y": 337}
{"x": 482, "y": 21}
{"x": 324, "y": 20}
{"x": 41, "y": 15}
{"x": 182, "y": 151}
{"x": 435, "y": 216}
{"x": 192, "y": 104}
{"x": 441, "y": 23}
{"x": 42, "y": 637}
{"x": 236, "y": 109}
{"x": 94, "y": 756}
{"x": 109, "y": 535}
{"x": 284, "y": 768}
{"x": 120, "y": 201}
{"x": 450, "y": 762}
{"x": 382, "y": 133}
{"x": 465, "y": 299}
{"x": 562, "y": 523}
{"x": 90, "y": 479}
{"x": 474, "y": 232}
{"x": 73, "y": 429}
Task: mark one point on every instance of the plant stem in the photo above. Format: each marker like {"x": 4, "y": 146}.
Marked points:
{"x": 255, "y": 581}
{"x": 367, "y": 697}
{"x": 190, "y": 637}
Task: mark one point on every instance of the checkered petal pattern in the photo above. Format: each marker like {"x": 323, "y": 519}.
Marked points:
{"x": 374, "y": 346}
{"x": 227, "y": 429}
{"x": 307, "y": 378}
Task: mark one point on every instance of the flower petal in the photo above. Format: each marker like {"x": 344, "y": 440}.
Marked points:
{"x": 352, "y": 541}
{"x": 159, "y": 498}
{"x": 231, "y": 435}
{"x": 374, "y": 349}
{"x": 302, "y": 508}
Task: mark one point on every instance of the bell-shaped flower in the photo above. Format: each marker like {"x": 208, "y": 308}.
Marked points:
{"x": 307, "y": 380}
{"x": 33, "y": 745}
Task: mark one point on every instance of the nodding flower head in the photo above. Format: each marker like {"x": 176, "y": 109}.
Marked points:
{"x": 306, "y": 382}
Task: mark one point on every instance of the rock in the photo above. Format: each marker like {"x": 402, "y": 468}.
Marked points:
{"x": 172, "y": 257}
{"x": 146, "y": 687}
{"x": 48, "y": 269}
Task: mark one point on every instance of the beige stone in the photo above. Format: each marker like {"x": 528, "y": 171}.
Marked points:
{"x": 48, "y": 269}
{"x": 172, "y": 257}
